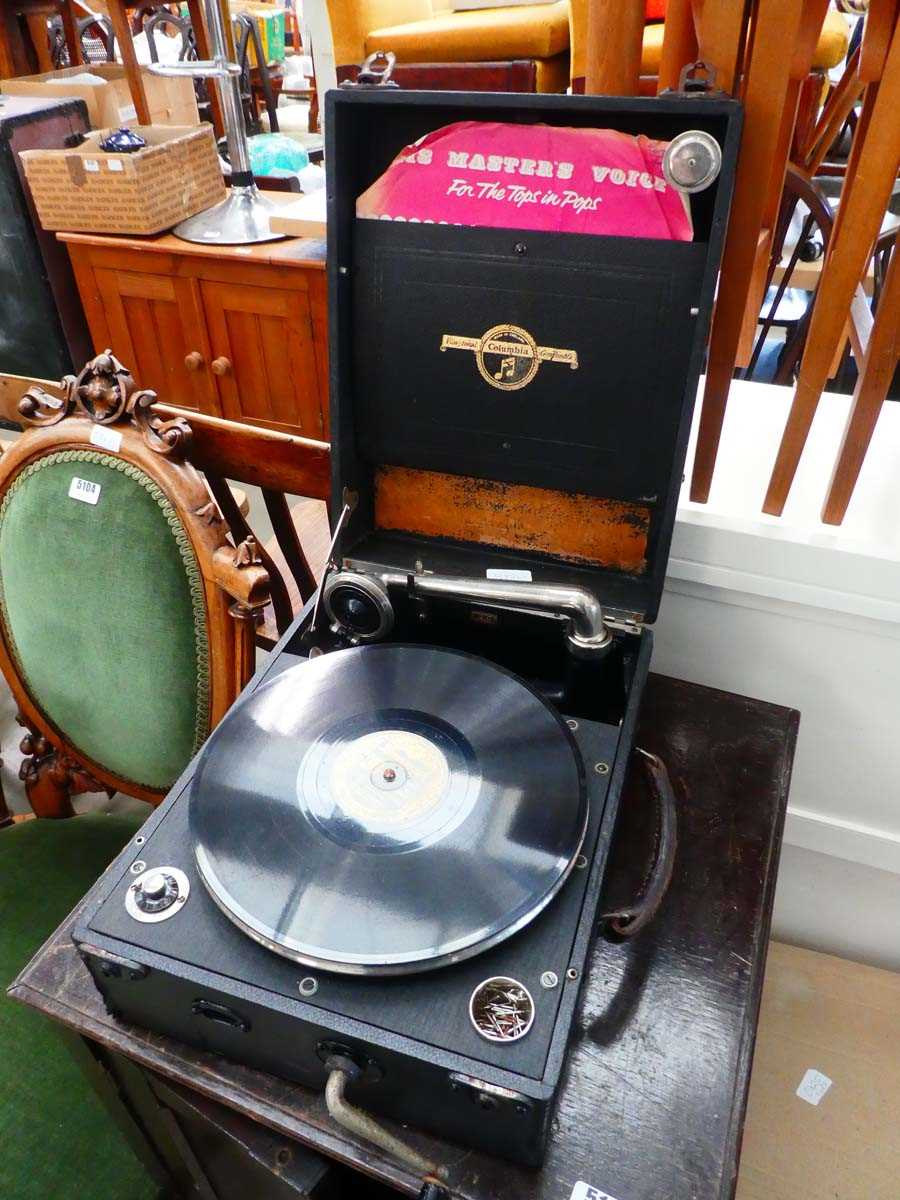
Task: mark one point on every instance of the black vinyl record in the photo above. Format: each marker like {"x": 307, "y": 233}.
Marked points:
{"x": 387, "y": 809}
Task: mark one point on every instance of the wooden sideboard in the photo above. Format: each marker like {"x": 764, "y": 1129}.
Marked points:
{"x": 233, "y": 331}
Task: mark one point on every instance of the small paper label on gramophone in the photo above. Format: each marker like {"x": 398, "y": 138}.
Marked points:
{"x": 509, "y": 574}
{"x": 84, "y": 489}
{"x": 584, "y": 1191}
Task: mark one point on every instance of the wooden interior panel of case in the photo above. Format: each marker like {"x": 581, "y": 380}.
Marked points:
{"x": 576, "y": 528}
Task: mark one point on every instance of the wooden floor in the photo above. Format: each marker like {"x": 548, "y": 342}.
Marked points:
{"x": 842, "y": 1020}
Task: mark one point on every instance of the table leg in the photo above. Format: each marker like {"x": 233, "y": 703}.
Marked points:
{"x": 875, "y": 374}
{"x": 118, "y": 16}
{"x": 866, "y": 195}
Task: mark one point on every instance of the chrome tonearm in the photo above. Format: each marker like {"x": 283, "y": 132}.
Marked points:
{"x": 359, "y": 603}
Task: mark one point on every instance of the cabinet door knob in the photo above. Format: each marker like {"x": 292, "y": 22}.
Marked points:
{"x": 194, "y": 360}
{"x": 221, "y": 366}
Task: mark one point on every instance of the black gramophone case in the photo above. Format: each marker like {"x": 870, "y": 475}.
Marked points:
{"x": 575, "y": 476}
{"x": 573, "y": 479}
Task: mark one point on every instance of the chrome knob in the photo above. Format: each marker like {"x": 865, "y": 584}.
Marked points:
{"x": 154, "y": 886}
{"x": 157, "y": 894}
{"x": 692, "y": 161}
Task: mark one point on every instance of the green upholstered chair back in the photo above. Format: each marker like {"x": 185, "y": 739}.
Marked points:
{"x": 126, "y": 613}
{"x": 104, "y": 612}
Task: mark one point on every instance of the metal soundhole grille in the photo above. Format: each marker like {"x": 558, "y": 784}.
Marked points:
{"x": 501, "y": 1009}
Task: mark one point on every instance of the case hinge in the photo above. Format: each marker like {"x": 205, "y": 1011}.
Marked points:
{"x": 490, "y": 1096}
{"x": 623, "y": 622}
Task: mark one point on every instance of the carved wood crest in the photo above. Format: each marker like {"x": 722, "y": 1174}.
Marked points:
{"x": 105, "y": 393}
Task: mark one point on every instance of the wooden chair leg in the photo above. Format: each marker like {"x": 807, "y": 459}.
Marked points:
{"x": 615, "y": 37}
{"x": 37, "y": 30}
{"x": 881, "y": 20}
{"x": 809, "y": 28}
{"x": 862, "y": 209}
{"x": 875, "y": 374}
{"x": 722, "y": 36}
{"x": 835, "y": 112}
{"x": 313, "y": 106}
{"x": 6, "y": 817}
{"x": 70, "y": 30}
{"x": 13, "y": 55}
{"x": 767, "y": 84}
{"x": 679, "y": 44}
{"x": 119, "y": 20}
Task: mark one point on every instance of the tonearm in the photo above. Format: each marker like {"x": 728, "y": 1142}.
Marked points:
{"x": 359, "y": 604}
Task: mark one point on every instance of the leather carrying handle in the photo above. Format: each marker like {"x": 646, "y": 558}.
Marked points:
{"x": 626, "y": 922}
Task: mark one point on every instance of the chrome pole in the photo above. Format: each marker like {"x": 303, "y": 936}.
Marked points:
{"x": 243, "y": 217}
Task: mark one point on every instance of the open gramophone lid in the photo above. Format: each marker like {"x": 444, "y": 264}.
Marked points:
{"x": 387, "y": 809}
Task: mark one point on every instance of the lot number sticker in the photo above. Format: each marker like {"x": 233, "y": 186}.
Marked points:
{"x": 84, "y": 490}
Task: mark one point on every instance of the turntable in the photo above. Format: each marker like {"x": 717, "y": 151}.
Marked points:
{"x": 382, "y": 874}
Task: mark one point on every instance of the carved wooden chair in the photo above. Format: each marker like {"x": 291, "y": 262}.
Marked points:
{"x": 127, "y": 614}
{"x": 128, "y": 627}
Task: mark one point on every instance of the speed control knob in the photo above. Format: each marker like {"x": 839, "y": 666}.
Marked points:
{"x": 157, "y": 894}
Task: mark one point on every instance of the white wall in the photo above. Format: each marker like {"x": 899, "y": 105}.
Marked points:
{"x": 808, "y": 616}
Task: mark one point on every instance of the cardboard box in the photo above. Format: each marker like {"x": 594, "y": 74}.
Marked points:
{"x": 109, "y": 104}
{"x": 825, "y": 1091}
{"x": 270, "y": 25}
{"x": 85, "y": 190}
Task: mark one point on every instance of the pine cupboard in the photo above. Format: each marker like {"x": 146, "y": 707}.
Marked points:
{"x": 234, "y": 331}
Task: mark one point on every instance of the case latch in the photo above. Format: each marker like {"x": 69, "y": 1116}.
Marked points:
{"x": 376, "y": 71}
{"x": 697, "y": 79}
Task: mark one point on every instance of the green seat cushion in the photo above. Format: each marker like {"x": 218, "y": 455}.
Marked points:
{"x": 104, "y": 611}
{"x": 58, "y": 1139}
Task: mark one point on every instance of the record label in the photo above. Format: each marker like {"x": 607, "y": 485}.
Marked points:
{"x": 397, "y": 787}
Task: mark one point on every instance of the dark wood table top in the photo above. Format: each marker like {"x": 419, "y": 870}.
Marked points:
{"x": 652, "y": 1105}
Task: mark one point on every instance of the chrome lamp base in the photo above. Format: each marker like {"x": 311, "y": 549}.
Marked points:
{"x": 239, "y": 220}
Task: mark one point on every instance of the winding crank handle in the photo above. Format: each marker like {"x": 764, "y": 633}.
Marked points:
{"x": 626, "y": 922}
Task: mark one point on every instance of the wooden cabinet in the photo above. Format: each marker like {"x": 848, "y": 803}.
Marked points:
{"x": 235, "y": 331}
